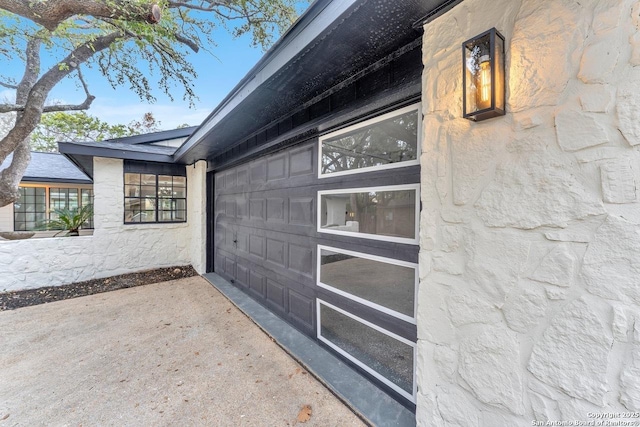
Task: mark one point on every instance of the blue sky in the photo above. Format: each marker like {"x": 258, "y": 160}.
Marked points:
{"x": 217, "y": 75}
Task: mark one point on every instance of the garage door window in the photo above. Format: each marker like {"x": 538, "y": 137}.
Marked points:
{"x": 385, "y": 284}
{"x": 391, "y": 359}
{"x": 385, "y": 142}
{"x": 383, "y": 213}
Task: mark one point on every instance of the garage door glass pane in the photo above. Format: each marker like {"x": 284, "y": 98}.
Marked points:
{"x": 379, "y": 213}
{"x": 376, "y": 143}
{"x": 382, "y": 283}
{"x": 379, "y": 353}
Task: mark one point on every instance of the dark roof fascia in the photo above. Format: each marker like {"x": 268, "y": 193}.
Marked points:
{"x": 368, "y": 108}
{"x": 444, "y": 8}
{"x": 149, "y": 138}
{"x": 272, "y": 62}
{"x": 58, "y": 180}
{"x": 113, "y": 153}
{"x": 77, "y": 161}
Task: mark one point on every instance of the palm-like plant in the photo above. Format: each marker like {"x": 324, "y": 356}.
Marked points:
{"x": 69, "y": 220}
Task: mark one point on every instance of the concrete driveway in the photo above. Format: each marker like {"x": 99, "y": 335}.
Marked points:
{"x": 167, "y": 354}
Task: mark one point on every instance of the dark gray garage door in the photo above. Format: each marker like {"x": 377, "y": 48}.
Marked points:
{"x": 346, "y": 274}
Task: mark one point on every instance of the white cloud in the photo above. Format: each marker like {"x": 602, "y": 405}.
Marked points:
{"x": 8, "y": 95}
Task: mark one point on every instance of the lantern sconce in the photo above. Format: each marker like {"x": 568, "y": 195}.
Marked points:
{"x": 483, "y": 76}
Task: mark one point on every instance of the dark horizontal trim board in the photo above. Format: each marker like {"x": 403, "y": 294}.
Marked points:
{"x": 134, "y": 166}
{"x": 56, "y": 180}
{"x": 360, "y": 394}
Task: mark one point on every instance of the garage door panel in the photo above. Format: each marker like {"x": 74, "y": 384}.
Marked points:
{"x": 257, "y": 283}
{"x": 275, "y": 210}
{"x": 301, "y": 308}
{"x": 276, "y": 294}
{"x": 287, "y": 277}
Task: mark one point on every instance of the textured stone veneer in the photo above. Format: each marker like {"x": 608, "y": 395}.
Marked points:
{"x": 529, "y": 301}
{"x": 114, "y": 248}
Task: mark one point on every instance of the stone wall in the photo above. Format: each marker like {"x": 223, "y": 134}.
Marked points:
{"x": 529, "y": 301}
{"x": 114, "y": 248}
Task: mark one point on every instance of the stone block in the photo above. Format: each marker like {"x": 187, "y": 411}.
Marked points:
{"x": 610, "y": 265}
{"x": 618, "y": 181}
{"x": 448, "y": 263}
{"x": 495, "y": 261}
{"x": 489, "y": 362}
{"x": 535, "y": 191}
{"x": 456, "y": 409}
{"x": 467, "y": 306}
{"x": 558, "y": 267}
{"x": 573, "y": 353}
{"x": 577, "y": 130}
{"x": 524, "y": 309}
{"x": 628, "y": 107}
{"x": 597, "y": 98}
{"x": 452, "y": 238}
{"x": 433, "y": 319}
{"x": 598, "y": 62}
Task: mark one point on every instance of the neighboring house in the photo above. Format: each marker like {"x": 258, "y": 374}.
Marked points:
{"x": 50, "y": 182}
{"x": 509, "y": 294}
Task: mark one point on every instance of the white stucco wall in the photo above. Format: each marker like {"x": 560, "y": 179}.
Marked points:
{"x": 6, "y": 218}
{"x": 529, "y": 303}
{"x": 114, "y": 248}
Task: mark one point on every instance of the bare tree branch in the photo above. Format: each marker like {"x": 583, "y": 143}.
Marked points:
{"x": 8, "y": 85}
{"x": 29, "y": 117}
{"x": 192, "y": 45}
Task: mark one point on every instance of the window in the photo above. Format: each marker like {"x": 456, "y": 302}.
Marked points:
{"x": 36, "y": 204}
{"x": 388, "y": 285}
{"x": 383, "y": 213}
{"x": 62, "y": 198}
{"x": 86, "y": 198}
{"x": 30, "y": 209}
{"x": 391, "y": 359}
{"x": 385, "y": 142}
{"x": 154, "y": 198}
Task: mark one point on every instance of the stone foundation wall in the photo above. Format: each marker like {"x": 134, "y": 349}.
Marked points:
{"x": 114, "y": 248}
{"x": 529, "y": 301}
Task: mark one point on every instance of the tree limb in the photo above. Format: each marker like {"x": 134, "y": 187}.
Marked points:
{"x": 8, "y": 86}
{"x": 51, "y": 13}
{"x": 190, "y": 43}
{"x": 33, "y": 107}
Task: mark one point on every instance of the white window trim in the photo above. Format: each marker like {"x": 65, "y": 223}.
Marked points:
{"x": 415, "y": 107}
{"x": 411, "y": 241}
{"x": 382, "y": 378}
{"x": 363, "y": 301}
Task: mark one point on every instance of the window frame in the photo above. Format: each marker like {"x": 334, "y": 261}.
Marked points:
{"x": 402, "y": 187}
{"x": 364, "y": 366}
{"x": 364, "y": 301}
{"x": 398, "y": 112}
{"x": 156, "y": 174}
{"x": 48, "y": 186}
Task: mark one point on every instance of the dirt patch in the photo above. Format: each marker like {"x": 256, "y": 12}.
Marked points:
{"x": 25, "y": 298}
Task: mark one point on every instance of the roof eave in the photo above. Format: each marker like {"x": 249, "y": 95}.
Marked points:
{"x": 309, "y": 26}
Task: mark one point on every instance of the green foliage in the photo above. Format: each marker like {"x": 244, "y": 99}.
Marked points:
{"x": 149, "y": 57}
{"x": 80, "y": 126}
{"x": 69, "y": 220}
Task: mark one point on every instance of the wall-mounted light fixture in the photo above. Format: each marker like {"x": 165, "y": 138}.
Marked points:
{"x": 483, "y": 90}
